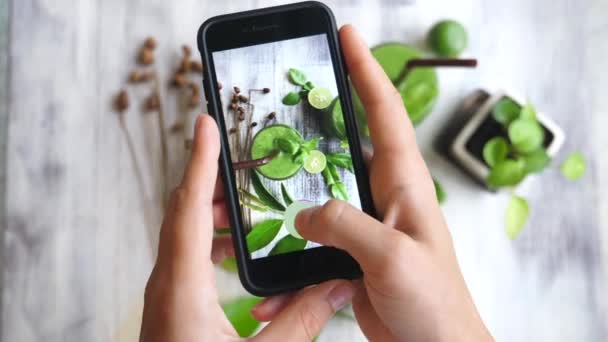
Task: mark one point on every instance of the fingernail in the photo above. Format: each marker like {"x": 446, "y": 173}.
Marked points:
{"x": 340, "y": 295}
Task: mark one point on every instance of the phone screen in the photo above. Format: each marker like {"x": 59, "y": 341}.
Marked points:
{"x": 287, "y": 137}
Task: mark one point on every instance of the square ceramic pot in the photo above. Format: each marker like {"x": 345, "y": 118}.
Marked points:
{"x": 467, "y": 146}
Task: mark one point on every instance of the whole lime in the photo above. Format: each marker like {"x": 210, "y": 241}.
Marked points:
{"x": 448, "y": 38}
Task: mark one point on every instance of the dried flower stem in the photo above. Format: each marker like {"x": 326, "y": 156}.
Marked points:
{"x": 131, "y": 147}
{"x": 164, "y": 153}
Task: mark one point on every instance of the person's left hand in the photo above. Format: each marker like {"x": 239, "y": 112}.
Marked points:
{"x": 181, "y": 300}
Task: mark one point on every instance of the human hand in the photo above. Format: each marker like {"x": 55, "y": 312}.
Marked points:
{"x": 181, "y": 300}
{"x": 412, "y": 287}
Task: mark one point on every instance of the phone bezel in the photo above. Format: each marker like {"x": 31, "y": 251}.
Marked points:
{"x": 291, "y": 271}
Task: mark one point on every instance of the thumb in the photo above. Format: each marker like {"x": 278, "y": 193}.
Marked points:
{"x": 303, "y": 319}
{"x": 339, "y": 224}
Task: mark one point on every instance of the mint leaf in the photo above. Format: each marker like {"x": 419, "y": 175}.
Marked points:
{"x": 505, "y": 111}
{"x": 516, "y": 216}
{"x": 495, "y": 150}
{"x": 311, "y": 144}
{"x": 506, "y": 173}
{"x": 286, "y": 196}
{"x": 288, "y": 146}
{"x": 308, "y": 86}
{"x": 288, "y": 244}
{"x": 536, "y": 161}
{"x": 264, "y": 195}
{"x": 238, "y": 312}
{"x": 526, "y": 135}
{"x": 299, "y": 157}
{"x": 574, "y": 166}
{"x": 262, "y": 234}
{"x": 344, "y": 144}
{"x": 291, "y": 99}
{"x": 297, "y": 77}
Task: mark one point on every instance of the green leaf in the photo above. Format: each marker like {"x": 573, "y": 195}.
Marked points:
{"x": 288, "y": 244}
{"x": 262, "y": 234}
{"x": 327, "y": 176}
{"x": 309, "y": 86}
{"x": 229, "y": 265}
{"x": 439, "y": 192}
{"x": 299, "y": 157}
{"x": 297, "y": 77}
{"x": 291, "y": 99}
{"x": 526, "y": 135}
{"x": 311, "y": 144}
{"x": 506, "y": 110}
{"x": 334, "y": 172}
{"x": 252, "y": 202}
{"x": 238, "y": 312}
{"x": 286, "y": 197}
{"x": 516, "y": 216}
{"x": 303, "y": 94}
{"x": 287, "y": 145}
{"x": 344, "y": 144}
{"x": 342, "y": 160}
{"x": 528, "y": 112}
{"x": 506, "y": 173}
{"x": 574, "y": 166}
{"x": 265, "y": 196}
{"x": 536, "y": 161}
{"x": 338, "y": 191}
{"x": 495, "y": 150}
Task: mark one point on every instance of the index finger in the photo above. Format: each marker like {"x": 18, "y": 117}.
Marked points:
{"x": 389, "y": 124}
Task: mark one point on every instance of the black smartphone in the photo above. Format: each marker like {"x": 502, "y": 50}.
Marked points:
{"x": 276, "y": 84}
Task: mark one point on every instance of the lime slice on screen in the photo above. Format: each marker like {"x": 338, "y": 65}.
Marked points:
{"x": 315, "y": 162}
{"x": 320, "y": 97}
{"x": 290, "y": 216}
{"x": 283, "y": 165}
{"x": 419, "y": 90}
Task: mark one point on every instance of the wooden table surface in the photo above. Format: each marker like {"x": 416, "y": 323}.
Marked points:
{"x": 79, "y": 229}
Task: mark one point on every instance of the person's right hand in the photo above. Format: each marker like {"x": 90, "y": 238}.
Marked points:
{"x": 412, "y": 288}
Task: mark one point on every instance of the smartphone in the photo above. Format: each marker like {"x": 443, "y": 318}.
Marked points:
{"x": 276, "y": 84}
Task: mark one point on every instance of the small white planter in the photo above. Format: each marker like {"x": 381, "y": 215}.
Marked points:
{"x": 481, "y": 120}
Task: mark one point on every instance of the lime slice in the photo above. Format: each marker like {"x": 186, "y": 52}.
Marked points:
{"x": 315, "y": 162}
{"x": 320, "y": 97}
{"x": 283, "y": 165}
{"x": 290, "y": 216}
{"x": 448, "y": 38}
{"x": 419, "y": 90}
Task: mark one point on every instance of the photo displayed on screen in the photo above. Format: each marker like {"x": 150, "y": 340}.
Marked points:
{"x": 287, "y": 137}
